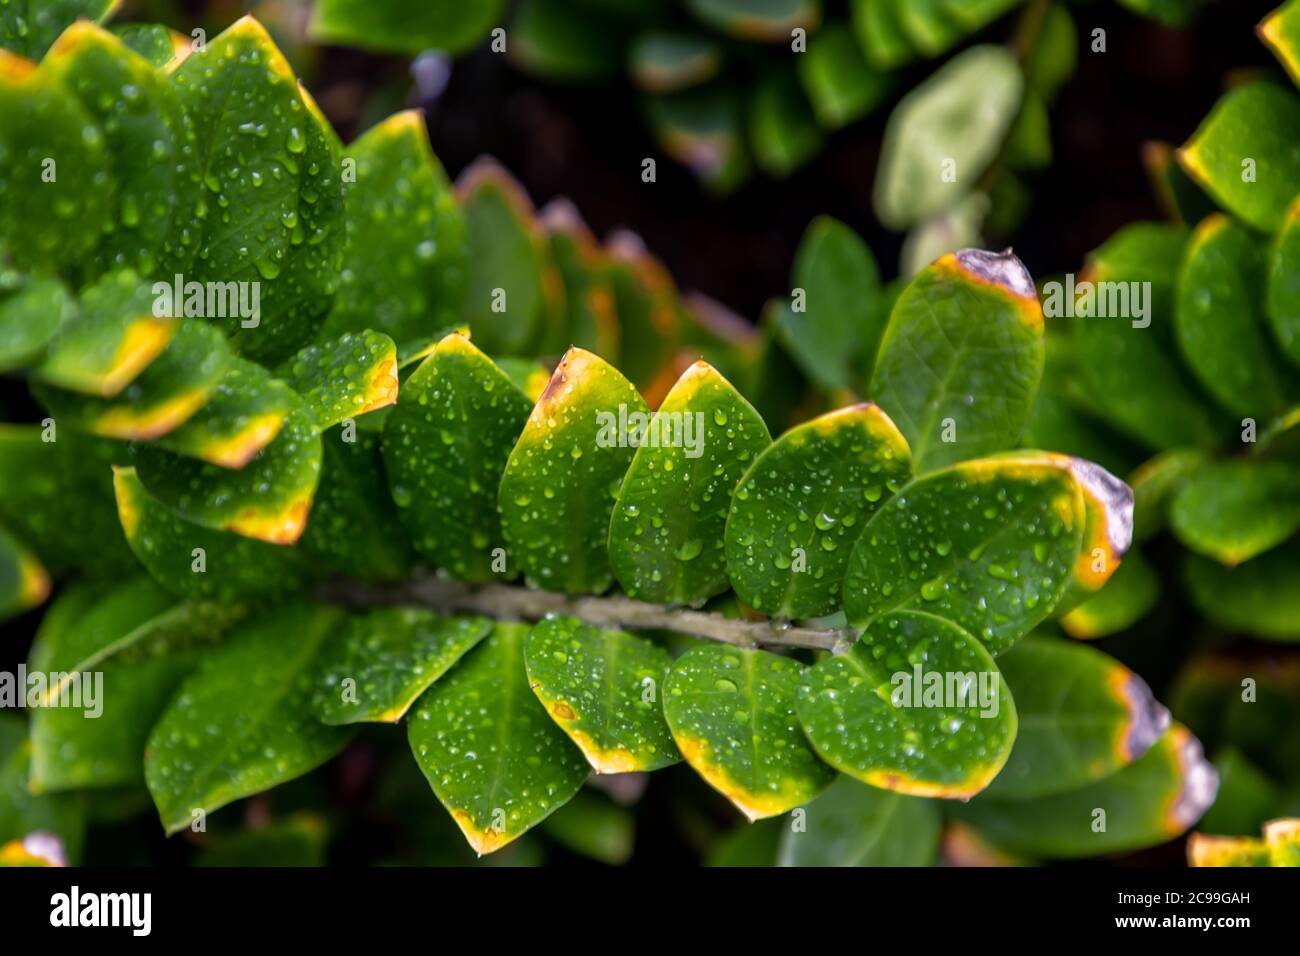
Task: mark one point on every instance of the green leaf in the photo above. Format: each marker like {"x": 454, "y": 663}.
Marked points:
{"x": 1083, "y": 716}
{"x": 549, "y": 40}
{"x": 1155, "y": 483}
{"x": 762, "y": 21}
{"x": 989, "y": 545}
{"x": 354, "y": 528}
{"x": 1280, "y": 31}
{"x": 1246, "y": 800}
{"x": 961, "y": 358}
{"x": 155, "y": 203}
{"x": 834, "y": 333}
{"x": 594, "y": 827}
{"x": 855, "y": 825}
{"x": 803, "y": 503}
{"x": 1184, "y": 202}
{"x": 395, "y": 26}
{"x": 602, "y": 687}
{"x": 927, "y": 27}
{"x": 701, "y": 129}
{"x": 666, "y": 535}
{"x": 563, "y": 476}
{"x": 1172, "y": 13}
{"x": 503, "y": 302}
{"x": 52, "y": 217}
{"x": 32, "y": 310}
{"x": 842, "y": 86}
{"x": 1234, "y": 510}
{"x": 104, "y": 345}
{"x": 29, "y": 28}
{"x": 1220, "y": 321}
{"x": 1205, "y": 850}
{"x": 1132, "y": 373}
{"x": 197, "y": 562}
{"x": 244, "y": 414}
{"x": 880, "y": 34}
{"x": 750, "y": 844}
{"x": 523, "y": 767}
{"x": 958, "y": 116}
{"x": 1125, "y": 599}
{"x": 153, "y": 41}
{"x": 1258, "y": 596}
{"x": 160, "y": 399}
{"x": 24, "y": 582}
{"x": 43, "y": 480}
{"x": 663, "y": 62}
{"x": 1283, "y": 839}
{"x": 1151, "y": 801}
{"x": 242, "y": 722}
{"x": 345, "y": 378}
{"x": 782, "y": 129}
{"x": 23, "y": 813}
{"x": 272, "y": 212}
{"x": 583, "y": 267}
{"x": 649, "y": 312}
{"x": 383, "y": 660}
{"x": 1056, "y": 54}
{"x": 298, "y": 840}
{"x": 268, "y": 499}
{"x": 1282, "y": 301}
{"x": 405, "y": 256}
{"x": 445, "y": 448}
{"x": 122, "y": 651}
{"x": 1251, "y": 130}
{"x": 732, "y": 714}
{"x": 916, "y": 706}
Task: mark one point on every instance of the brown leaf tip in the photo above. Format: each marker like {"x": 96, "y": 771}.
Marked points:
{"x": 1200, "y": 781}
{"x": 1116, "y": 498}
{"x": 999, "y": 268}
{"x": 1148, "y": 718}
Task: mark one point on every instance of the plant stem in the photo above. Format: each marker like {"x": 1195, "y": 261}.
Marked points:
{"x": 512, "y": 602}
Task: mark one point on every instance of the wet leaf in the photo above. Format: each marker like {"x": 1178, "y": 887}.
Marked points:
{"x": 268, "y": 499}
{"x": 153, "y": 41}
{"x": 28, "y": 29}
{"x": 445, "y": 448}
{"x": 961, "y": 358}
{"x": 1220, "y": 320}
{"x": 272, "y": 207}
{"x": 404, "y": 259}
{"x": 916, "y": 706}
{"x": 242, "y": 722}
{"x": 503, "y": 301}
{"x": 493, "y": 758}
{"x": 1256, "y": 123}
{"x": 801, "y": 506}
{"x": 989, "y": 545}
{"x": 1083, "y": 716}
{"x": 49, "y": 222}
{"x": 855, "y": 825}
{"x": 563, "y": 476}
{"x": 382, "y": 661}
{"x": 354, "y": 528}
{"x": 732, "y": 714}
{"x": 197, "y": 562}
{"x": 954, "y": 120}
{"x": 1151, "y": 801}
{"x": 244, "y": 414}
{"x": 122, "y": 651}
{"x": 346, "y": 377}
{"x": 105, "y": 341}
{"x": 1282, "y": 300}
{"x": 32, "y": 311}
{"x": 603, "y": 688}
{"x": 666, "y": 536}
{"x": 393, "y": 25}
{"x": 834, "y": 333}
{"x": 154, "y": 202}
{"x": 160, "y": 399}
